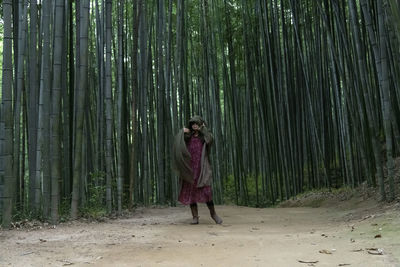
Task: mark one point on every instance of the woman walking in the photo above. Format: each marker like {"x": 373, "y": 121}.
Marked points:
{"x": 191, "y": 161}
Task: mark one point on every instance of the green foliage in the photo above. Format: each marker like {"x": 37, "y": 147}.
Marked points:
{"x": 95, "y": 203}
{"x": 229, "y": 190}
{"x": 26, "y": 215}
{"x": 250, "y": 198}
{"x": 65, "y": 209}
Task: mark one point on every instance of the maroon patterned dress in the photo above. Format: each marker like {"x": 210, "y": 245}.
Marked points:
{"x": 190, "y": 193}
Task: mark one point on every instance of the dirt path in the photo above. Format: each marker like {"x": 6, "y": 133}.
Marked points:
{"x": 248, "y": 237}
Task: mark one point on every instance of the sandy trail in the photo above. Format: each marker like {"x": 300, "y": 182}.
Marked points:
{"x": 248, "y": 237}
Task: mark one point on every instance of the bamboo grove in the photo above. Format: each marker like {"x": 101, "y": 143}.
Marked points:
{"x": 299, "y": 95}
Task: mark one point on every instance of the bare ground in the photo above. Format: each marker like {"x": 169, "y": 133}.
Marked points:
{"x": 344, "y": 235}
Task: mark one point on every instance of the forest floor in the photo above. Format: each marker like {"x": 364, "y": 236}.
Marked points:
{"x": 351, "y": 232}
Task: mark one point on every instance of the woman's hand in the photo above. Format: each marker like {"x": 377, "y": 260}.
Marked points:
{"x": 186, "y": 130}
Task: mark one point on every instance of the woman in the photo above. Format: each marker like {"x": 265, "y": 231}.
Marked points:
{"x": 191, "y": 161}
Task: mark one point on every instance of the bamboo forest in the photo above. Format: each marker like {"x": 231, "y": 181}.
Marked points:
{"x": 300, "y": 95}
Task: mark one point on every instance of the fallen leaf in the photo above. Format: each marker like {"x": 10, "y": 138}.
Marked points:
{"x": 344, "y": 264}
{"x": 378, "y": 236}
{"x": 324, "y": 251}
{"x": 375, "y": 252}
{"x": 27, "y": 253}
{"x": 66, "y": 262}
{"x": 301, "y": 261}
{"x": 367, "y": 217}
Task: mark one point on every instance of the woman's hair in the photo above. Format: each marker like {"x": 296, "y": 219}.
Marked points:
{"x": 195, "y": 119}
{"x": 191, "y": 124}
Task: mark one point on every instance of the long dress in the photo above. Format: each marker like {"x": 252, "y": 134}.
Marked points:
{"x": 190, "y": 193}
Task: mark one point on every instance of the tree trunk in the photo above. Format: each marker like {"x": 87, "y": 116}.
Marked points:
{"x": 83, "y": 82}
{"x": 55, "y": 140}
{"x": 120, "y": 109}
{"x": 43, "y": 148}
{"x": 33, "y": 109}
{"x": 108, "y": 102}
{"x": 6, "y": 121}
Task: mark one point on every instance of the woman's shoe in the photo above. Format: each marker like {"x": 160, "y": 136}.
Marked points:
{"x": 216, "y": 218}
{"x": 195, "y": 220}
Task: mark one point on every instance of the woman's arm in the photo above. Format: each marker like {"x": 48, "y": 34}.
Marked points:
{"x": 208, "y": 137}
{"x": 186, "y": 134}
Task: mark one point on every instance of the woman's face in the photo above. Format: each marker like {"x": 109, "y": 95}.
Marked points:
{"x": 195, "y": 127}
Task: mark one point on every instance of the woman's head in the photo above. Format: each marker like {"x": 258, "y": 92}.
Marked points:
{"x": 194, "y": 126}
{"x": 195, "y": 123}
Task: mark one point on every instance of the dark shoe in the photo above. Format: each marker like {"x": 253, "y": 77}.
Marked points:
{"x": 216, "y": 218}
{"x": 195, "y": 213}
{"x": 195, "y": 220}
{"x": 213, "y": 214}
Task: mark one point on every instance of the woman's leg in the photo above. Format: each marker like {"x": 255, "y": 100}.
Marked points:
{"x": 213, "y": 214}
{"x": 195, "y": 213}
